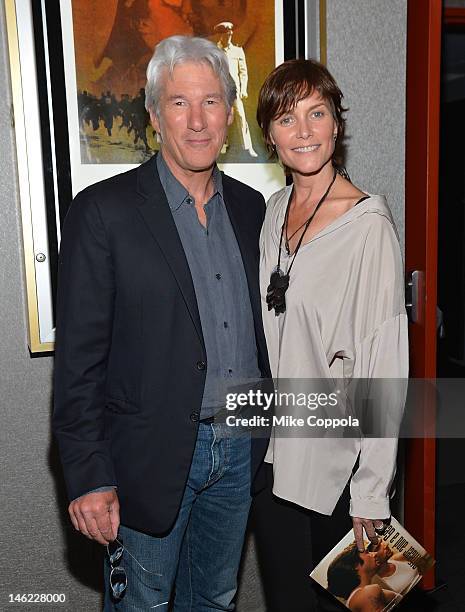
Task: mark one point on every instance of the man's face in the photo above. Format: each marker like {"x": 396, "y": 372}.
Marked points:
{"x": 192, "y": 118}
{"x": 369, "y": 566}
{"x": 225, "y": 38}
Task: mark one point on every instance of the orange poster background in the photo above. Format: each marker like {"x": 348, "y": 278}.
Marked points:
{"x": 114, "y": 40}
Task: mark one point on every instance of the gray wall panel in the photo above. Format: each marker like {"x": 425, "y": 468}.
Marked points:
{"x": 367, "y": 54}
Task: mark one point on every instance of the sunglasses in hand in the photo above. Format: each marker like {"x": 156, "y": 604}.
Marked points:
{"x": 118, "y": 576}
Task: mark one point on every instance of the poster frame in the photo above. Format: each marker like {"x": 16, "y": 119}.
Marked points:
{"x": 46, "y": 178}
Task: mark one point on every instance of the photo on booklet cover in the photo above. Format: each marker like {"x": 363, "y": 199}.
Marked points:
{"x": 377, "y": 579}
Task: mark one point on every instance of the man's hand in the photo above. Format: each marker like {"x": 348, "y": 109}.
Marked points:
{"x": 96, "y": 515}
{"x": 369, "y": 525}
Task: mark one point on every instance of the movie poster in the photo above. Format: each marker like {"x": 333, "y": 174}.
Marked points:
{"x": 113, "y": 43}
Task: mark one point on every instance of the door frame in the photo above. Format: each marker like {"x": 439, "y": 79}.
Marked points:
{"x": 424, "y": 24}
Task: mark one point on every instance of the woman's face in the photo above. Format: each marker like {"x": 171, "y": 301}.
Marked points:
{"x": 381, "y": 550}
{"x": 305, "y": 136}
{"x": 374, "y": 557}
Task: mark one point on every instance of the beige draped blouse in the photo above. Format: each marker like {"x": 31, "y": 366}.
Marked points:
{"x": 345, "y": 317}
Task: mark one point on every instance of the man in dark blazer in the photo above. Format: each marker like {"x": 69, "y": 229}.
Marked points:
{"x": 158, "y": 310}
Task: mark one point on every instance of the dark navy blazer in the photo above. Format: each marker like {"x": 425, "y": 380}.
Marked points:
{"x": 130, "y": 360}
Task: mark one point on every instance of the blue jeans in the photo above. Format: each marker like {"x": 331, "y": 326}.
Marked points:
{"x": 200, "y": 556}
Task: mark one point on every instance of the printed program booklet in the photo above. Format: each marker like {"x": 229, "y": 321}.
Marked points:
{"x": 378, "y": 579}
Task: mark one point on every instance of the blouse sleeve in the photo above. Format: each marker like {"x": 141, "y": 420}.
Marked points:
{"x": 381, "y": 354}
{"x": 384, "y": 356}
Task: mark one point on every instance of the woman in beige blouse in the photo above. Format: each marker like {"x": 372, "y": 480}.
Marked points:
{"x": 331, "y": 277}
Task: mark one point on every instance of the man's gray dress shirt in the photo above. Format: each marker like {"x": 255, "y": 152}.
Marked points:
{"x": 220, "y": 286}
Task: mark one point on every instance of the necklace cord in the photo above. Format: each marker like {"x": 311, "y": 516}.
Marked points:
{"x": 305, "y": 225}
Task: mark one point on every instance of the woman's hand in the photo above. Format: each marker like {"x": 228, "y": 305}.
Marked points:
{"x": 370, "y": 526}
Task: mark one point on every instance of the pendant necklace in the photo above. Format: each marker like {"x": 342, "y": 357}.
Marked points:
{"x": 279, "y": 281}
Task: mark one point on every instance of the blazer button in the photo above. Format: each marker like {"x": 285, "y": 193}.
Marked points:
{"x": 201, "y": 365}
{"x": 195, "y": 416}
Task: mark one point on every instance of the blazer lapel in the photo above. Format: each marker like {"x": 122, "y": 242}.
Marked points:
{"x": 156, "y": 213}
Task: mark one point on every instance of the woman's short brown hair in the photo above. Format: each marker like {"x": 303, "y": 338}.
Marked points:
{"x": 291, "y": 82}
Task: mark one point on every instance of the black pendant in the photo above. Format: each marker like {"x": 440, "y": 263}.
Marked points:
{"x": 276, "y": 292}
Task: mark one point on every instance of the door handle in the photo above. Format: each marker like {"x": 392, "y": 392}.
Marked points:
{"x": 415, "y": 296}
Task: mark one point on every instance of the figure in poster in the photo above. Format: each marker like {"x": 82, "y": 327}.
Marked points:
{"x": 140, "y": 120}
{"x": 138, "y": 27}
{"x": 238, "y": 71}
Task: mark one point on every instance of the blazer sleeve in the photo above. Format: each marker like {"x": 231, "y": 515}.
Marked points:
{"x": 381, "y": 362}
{"x": 85, "y": 304}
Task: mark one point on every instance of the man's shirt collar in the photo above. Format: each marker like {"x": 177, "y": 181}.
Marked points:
{"x": 176, "y": 193}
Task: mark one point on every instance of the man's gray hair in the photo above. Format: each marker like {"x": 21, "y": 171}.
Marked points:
{"x": 179, "y": 50}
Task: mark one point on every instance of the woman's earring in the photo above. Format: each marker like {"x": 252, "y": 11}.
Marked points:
{"x": 334, "y": 136}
